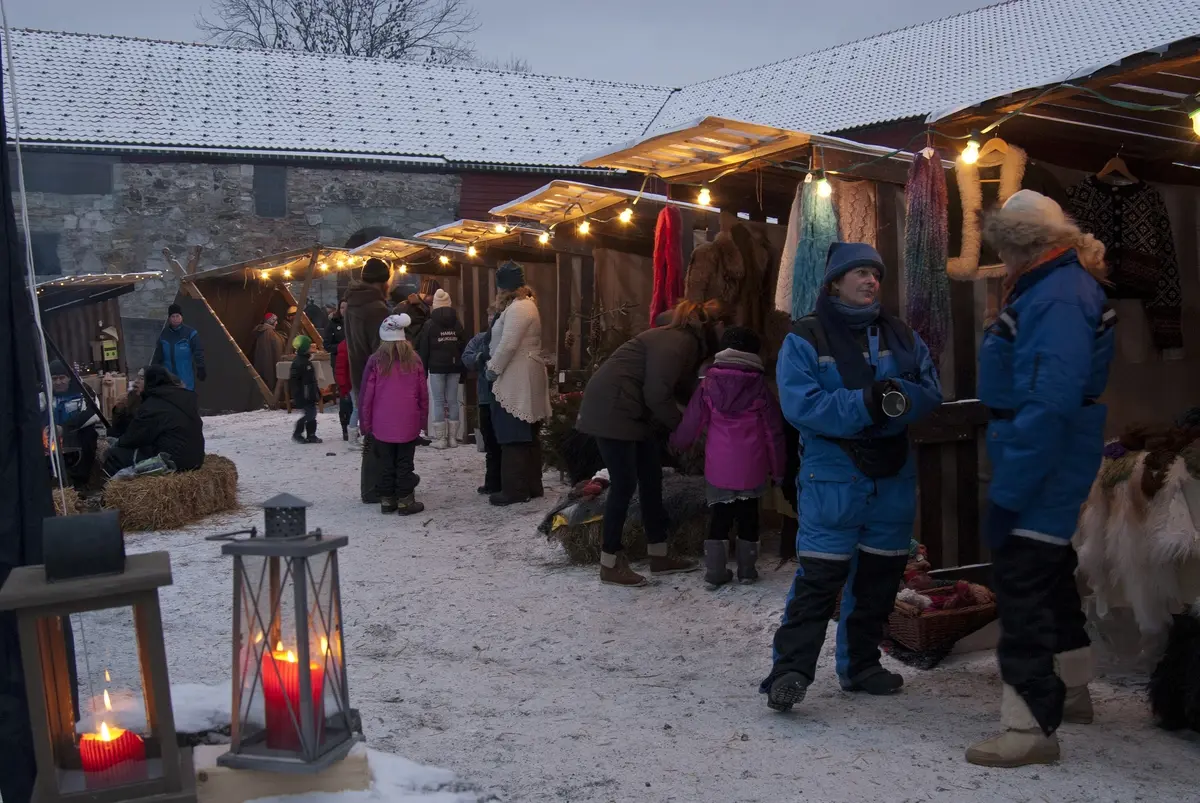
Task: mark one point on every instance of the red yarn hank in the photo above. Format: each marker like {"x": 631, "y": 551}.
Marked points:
{"x": 668, "y": 262}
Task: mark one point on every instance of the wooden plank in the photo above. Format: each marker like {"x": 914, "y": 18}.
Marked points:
{"x": 217, "y": 784}
{"x": 887, "y": 242}
{"x": 929, "y": 483}
{"x": 966, "y": 455}
{"x": 26, "y": 586}
{"x": 303, "y": 301}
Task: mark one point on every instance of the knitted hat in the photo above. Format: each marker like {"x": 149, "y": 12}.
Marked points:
{"x": 510, "y": 276}
{"x": 271, "y": 318}
{"x": 845, "y": 257}
{"x": 376, "y": 271}
{"x": 441, "y": 299}
{"x": 302, "y": 344}
{"x": 174, "y": 309}
{"x": 58, "y": 368}
{"x": 740, "y": 338}
{"x": 393, "y": 326}
{"x": 1028, "y": 201}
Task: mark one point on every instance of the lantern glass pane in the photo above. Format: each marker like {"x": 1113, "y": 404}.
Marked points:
{"x": 101, "y": 727}
{"x": 325, "y": 622}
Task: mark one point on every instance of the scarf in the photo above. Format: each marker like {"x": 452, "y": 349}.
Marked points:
{"x": 732, "y": 358}
{"x": 840, "y": 322}
{"x": 668, "y": 262}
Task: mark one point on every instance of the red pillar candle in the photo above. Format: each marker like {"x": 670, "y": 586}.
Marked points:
{"x": 112, "y": 757}
{"x": 281, "y": 689}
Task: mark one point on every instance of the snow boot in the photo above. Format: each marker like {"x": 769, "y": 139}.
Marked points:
{"x": 747, "y": 557}
{"x": 875, "y": 681}
{"x": 661, "y": 563}
{"x": 514, "y": 477}
{"x": 408, "y": 506}
{"x": 1074, "y": 668}
{"x": 786, "y": 691}
{"x": 716, "y": 573}
{"x": 437, "y": 436}
{"x": 1023, "y": 743}
{"x": 310, "y": 429}
{"x": 615, "y": 571}
{"x": 453, "y": 434}
{"x": 354, "y": 443}
{"x": 387, "y": 504}
{"x": 298, "y": 432}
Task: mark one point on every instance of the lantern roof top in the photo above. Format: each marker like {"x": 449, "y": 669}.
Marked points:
{"x": 285, "y": 500}
{"x": 27, "y": 586}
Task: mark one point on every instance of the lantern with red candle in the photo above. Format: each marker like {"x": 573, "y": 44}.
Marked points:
{"x": 291, "y": 709}
{"x": 117, "y": 741}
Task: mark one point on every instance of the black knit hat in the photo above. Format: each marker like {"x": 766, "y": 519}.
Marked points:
{"x": 174, "y": 309}
{"x": 739, "y": 338}
{"x": 376, "y": 271}
{"x": 58, "y": 368}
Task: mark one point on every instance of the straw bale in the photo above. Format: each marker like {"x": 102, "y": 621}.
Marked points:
{"x": 65, "y": 504}
{"x": 582, "y": 542}
{"x": 173, "y": 500}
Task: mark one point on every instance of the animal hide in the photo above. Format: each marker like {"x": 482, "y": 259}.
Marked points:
{"x": 668, "y": 262}
{"x": 965, "y": 266}
{"x": 787, "y": 260}
{"x": 729, "y": 269}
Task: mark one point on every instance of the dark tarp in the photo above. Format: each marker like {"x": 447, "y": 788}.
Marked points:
{"x": 24, "y": 492}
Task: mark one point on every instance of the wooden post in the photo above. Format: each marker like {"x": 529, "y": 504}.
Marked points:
{"x": 303, "y": 300}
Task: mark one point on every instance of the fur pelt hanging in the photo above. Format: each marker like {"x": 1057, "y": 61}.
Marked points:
{"x": 818, "y": 230}
{"x": 925, "y": 238}
{"x": 728, "y": 270}
{"x": 1175, "y": 685}
{"x": 965, "y": 265}
{"x": 668, "y": 262}
{"x": 787, "y": 260}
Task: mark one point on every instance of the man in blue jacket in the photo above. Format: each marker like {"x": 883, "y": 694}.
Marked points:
{"x": 1042, "y": 366}
{"x": 852, "y": 377}
{"x": 179, "y": 350}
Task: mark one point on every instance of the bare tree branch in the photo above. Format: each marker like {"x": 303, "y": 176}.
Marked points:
{"x": 511, "y": 64}
{"x": 422, "y": 30}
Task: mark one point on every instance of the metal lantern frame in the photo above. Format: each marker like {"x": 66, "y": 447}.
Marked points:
{"x": 316, "y": 738}
{"x": 40, "y": 607}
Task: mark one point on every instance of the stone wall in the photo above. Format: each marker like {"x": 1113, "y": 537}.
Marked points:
{"x": 177, "y": 205}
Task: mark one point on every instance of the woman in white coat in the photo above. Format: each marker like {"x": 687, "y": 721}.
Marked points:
{"x": 517, "y": 371}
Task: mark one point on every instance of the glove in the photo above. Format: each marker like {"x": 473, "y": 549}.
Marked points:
{"x": 491, "y": 375}
{"x": 201, "y": 373}
{"x": 999, "y": 525}
{"x": 873, "y": 398}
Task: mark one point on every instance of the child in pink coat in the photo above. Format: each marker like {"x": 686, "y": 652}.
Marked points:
{"x": 744, "y": 452}
{"x": 392, "y": 408}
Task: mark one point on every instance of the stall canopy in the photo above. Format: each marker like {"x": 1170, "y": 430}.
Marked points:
{"x": 78, "y": 311}
{"x": 467, "y": 233}
{"x": 564, "y": 201}
{"x": 88, "y": 288}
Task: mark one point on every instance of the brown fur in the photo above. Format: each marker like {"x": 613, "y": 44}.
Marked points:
{"x": 1021, "y": 238}
{"x": 730, "y": 269}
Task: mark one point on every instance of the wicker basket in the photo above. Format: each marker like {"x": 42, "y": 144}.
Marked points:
{"x": 932, "y": 629}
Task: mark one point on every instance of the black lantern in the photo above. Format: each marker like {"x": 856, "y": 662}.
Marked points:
{"x": 100, "y": 710}
{"x": 291, "y": 709}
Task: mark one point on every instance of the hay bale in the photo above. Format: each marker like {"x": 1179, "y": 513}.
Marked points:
{"x": 173, "y": 500}
{"x": 65, "y": 504}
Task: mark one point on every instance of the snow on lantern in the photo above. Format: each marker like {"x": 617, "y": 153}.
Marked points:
{"x": 96, "y": 668}
{"x": 291, "y": 709}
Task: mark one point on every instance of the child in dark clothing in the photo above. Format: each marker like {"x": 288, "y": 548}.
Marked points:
{"x": 302, "y": 384}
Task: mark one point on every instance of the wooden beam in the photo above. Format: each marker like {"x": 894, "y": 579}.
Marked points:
{"x": 887, "y": 242}
{"x": 303, "y": 301}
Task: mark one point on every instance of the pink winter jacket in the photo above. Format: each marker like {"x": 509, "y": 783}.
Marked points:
{"x": 393, "y": 408}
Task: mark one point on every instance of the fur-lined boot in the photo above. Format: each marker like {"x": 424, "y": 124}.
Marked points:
{"x": 1074, "y": 668}
{"x": 1023, "y": 743}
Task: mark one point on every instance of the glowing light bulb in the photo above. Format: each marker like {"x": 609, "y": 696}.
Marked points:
{"x": 1196, "y": 121}
{"x": 626, "y": 215}
{"x": 324, "y": 267}
{"x": 585, "y": 227}
{"x": 266, "y": 274}
{"x": 291, "y": 657}
{"x": 824, "y": 188}
{"x": 287, "y": 274}
{"x": 544, "y": 238}
{"x": 705, "y": 197}
{"x": 403, "y": 268}
{"x": 970, "y": 154}
{"x": 500, "y": 228}
{"x": 445, "y": 260}
{"x": 471, "y": 251}
{"x": 324, "y": 646}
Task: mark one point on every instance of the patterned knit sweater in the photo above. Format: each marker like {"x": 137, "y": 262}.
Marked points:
{"x": 1132, "y": 223}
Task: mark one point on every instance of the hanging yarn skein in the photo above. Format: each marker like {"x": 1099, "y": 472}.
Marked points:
{"x": 925, "y": 245}
{"x": 787, "y": 259}
{"x": 818, "y": 230}
{"x": 668, "y": 262}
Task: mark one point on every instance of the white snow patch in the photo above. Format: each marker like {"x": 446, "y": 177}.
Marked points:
{"x": 395, "y": 780}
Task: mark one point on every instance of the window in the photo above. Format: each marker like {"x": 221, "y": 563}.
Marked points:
{"x": 270, "y": 191}
{"x": 66, "y": 173}
{"x": 45, "y": 253}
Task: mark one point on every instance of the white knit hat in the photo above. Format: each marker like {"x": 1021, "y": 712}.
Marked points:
{"x": 1036, "y": 203}
{"x": 392, "y": 328}
{"x": 441, "y": 299}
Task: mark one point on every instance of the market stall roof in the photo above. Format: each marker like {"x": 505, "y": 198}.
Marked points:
{"x": 562, "y": 201}
{"x": 288, "y": 263}
{"x": 65, "y": 292}
{"x": 390, "y": 248}
{"x": 471, "y": 232}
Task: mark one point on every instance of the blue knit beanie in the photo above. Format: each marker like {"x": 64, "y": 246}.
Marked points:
{"x": 510, "y": 276}
{"x": 845, "y": 257}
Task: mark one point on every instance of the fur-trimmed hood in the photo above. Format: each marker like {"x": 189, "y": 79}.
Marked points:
{"x": 1023, "y": 236}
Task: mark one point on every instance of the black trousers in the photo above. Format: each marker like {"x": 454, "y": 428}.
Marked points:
{"x": 633, "y": 467}
{"x": 1041, "y": 615}
{"x": 307, "y": 423}
{"x": 397, "y": 472}
{"x": 117, "y": 458}
{"x": 492, "y": 451}
{"x": 345, "y": 410}
{"x": 723, "y": 517}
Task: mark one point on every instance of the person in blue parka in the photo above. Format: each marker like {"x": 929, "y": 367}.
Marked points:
{"x": 852, "y": 378}
{"x": 1042, "y": 366}
{"x": 179, "y": 350}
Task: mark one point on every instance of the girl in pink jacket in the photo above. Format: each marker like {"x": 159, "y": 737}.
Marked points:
{"x": 392, "y": 408}
{"x": 744, "y": 452}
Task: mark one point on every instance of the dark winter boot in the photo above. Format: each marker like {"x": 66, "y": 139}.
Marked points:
{"x": 875, "y": 681}
{"x": 409, "y": 506}
{"x": 387, "y": 504}
{"x": 310, "y": 428}
{"x": 747, "y": 556}
{"x": 786, "y": 691}
{"x": 533, "y": 465}
{"x": 514, "y": 478}
{"x": 716, "y": 573}
{"x": 298, "y": 432}
{"x": 875, "y": 582}
{"x": 661, "y": 563}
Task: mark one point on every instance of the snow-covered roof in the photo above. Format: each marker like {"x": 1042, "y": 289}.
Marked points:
{"x": 937, "y": 66}
{"x": 100, "y": 90}
{"x": 85, "y": 89}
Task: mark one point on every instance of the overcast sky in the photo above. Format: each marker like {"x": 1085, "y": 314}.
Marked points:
{"x": 663, "y": 42}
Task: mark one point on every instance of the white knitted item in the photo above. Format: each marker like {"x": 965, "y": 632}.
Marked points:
{"x": 521, "y": 386}
{"x": 787, "y": 260}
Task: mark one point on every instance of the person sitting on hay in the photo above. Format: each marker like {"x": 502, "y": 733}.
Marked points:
{"x": 167, "y": 421}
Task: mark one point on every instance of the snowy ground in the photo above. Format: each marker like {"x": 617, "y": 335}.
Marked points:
{"x": 474, "y": 646}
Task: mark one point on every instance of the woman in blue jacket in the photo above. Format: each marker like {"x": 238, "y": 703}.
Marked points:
{"x": 1042, "y": 366}
{"x": 852, "y": 377}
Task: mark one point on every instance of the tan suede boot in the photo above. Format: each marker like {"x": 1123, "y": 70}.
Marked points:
{"x": 662, "y": 563}
{"x": 615, "y": 571}
{"x": 1074, "y": 668}
{"x": 1022, "y": 742}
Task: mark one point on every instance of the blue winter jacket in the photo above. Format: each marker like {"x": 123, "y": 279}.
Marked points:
{"x": 181, "y": 353}
{"x": 1042, "y": 366}
{"x": 819, "y": 406}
